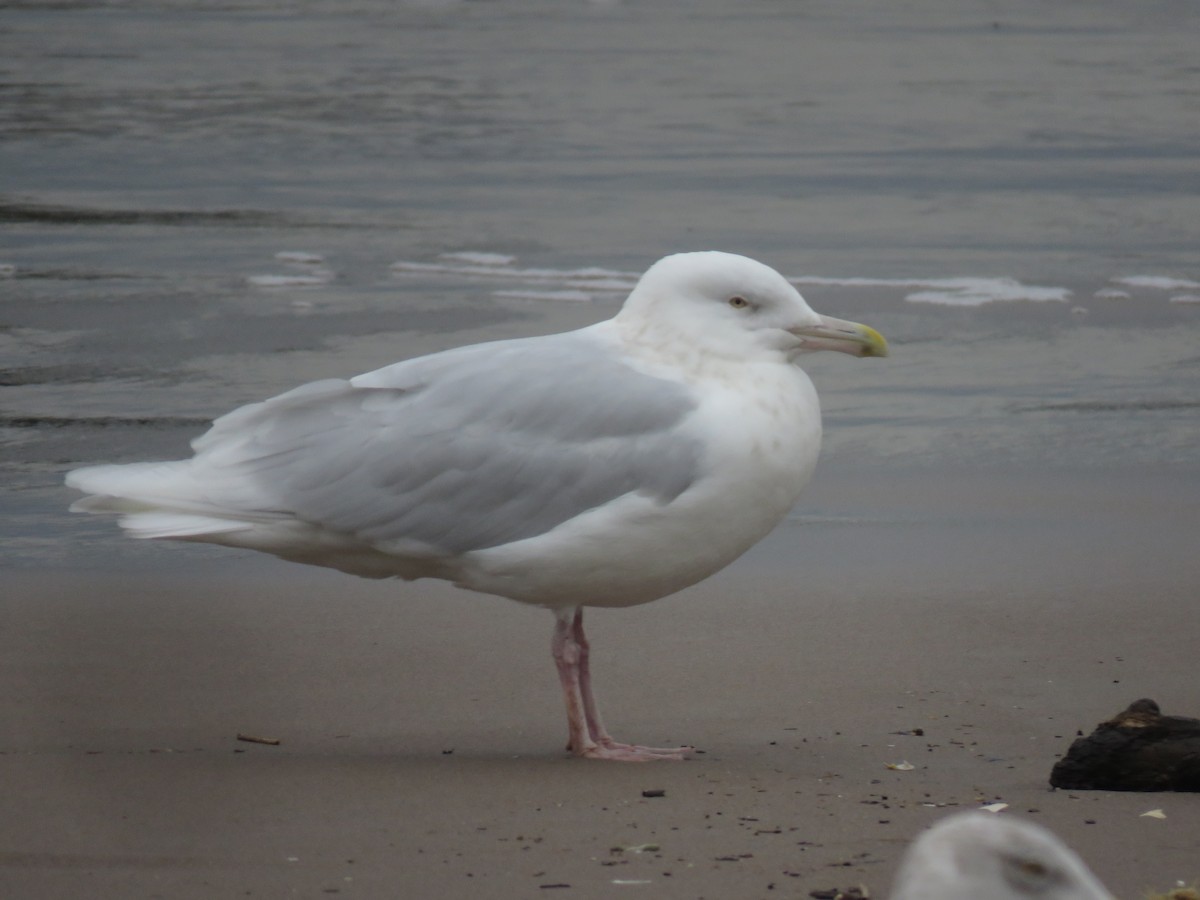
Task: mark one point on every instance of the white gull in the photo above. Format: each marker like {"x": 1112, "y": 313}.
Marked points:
{"x": 982, "y": 856}
{"x": 608, "y": 466}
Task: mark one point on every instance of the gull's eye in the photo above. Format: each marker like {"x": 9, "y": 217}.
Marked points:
{"x": 1030, "y": 876}
{"x": 739, "y": 302}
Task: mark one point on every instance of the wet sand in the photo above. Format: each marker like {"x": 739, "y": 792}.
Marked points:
{"x": 421, "y": 729}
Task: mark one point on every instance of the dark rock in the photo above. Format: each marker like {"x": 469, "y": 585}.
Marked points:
{"x": 1139, "y": 749}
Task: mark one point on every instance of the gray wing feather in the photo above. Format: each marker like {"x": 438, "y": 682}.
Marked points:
{"x": 459, "y": 451}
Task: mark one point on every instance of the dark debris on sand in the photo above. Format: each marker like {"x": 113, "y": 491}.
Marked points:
{"x": 1139, "y": 749}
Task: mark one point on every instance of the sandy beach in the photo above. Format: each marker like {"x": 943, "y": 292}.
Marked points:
{"x": 420, "y": 728}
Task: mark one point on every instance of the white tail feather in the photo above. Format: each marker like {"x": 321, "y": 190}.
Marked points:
{"x": 181, "y": 526}
{"x": 159, "y": 500}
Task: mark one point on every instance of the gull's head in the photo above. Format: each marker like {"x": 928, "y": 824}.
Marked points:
{"x": 730, "y": 304}
{"x": 987, "y": 857}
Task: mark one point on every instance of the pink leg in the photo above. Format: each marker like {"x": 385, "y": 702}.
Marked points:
{"x": 587, "y": 735}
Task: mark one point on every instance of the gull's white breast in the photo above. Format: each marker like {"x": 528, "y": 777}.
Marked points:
{"x": 759, "y": 425}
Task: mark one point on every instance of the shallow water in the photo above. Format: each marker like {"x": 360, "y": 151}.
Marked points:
{"x": 1010, "y": 193}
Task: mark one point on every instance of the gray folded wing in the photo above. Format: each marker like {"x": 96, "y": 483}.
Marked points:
{"x": 459, "y": 451}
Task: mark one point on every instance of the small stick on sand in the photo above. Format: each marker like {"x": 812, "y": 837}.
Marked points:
{"x": 251, "y": 739}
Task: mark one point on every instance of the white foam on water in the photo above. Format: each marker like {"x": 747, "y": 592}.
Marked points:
{"x": 480, "y": 258}
{"x": 531, "y": 294}
{"x": 966, "y": 291}
{"x": 1159, "y": 282}
{"x": 300, "y": 257}
{"x": 285, "y": 281}
{"x": 606, "y": 279}
{"x": 553, "y": 285}
{"x": 1186, "y": 298}
{"x": 977, "y": 291}
{"x": 602, "y": 285}
{"x": 858, "y": 282}
{"x": 1112, "y": 294}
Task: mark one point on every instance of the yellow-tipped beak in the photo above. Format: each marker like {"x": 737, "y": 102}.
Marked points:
{"x": 842, "y": 336}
